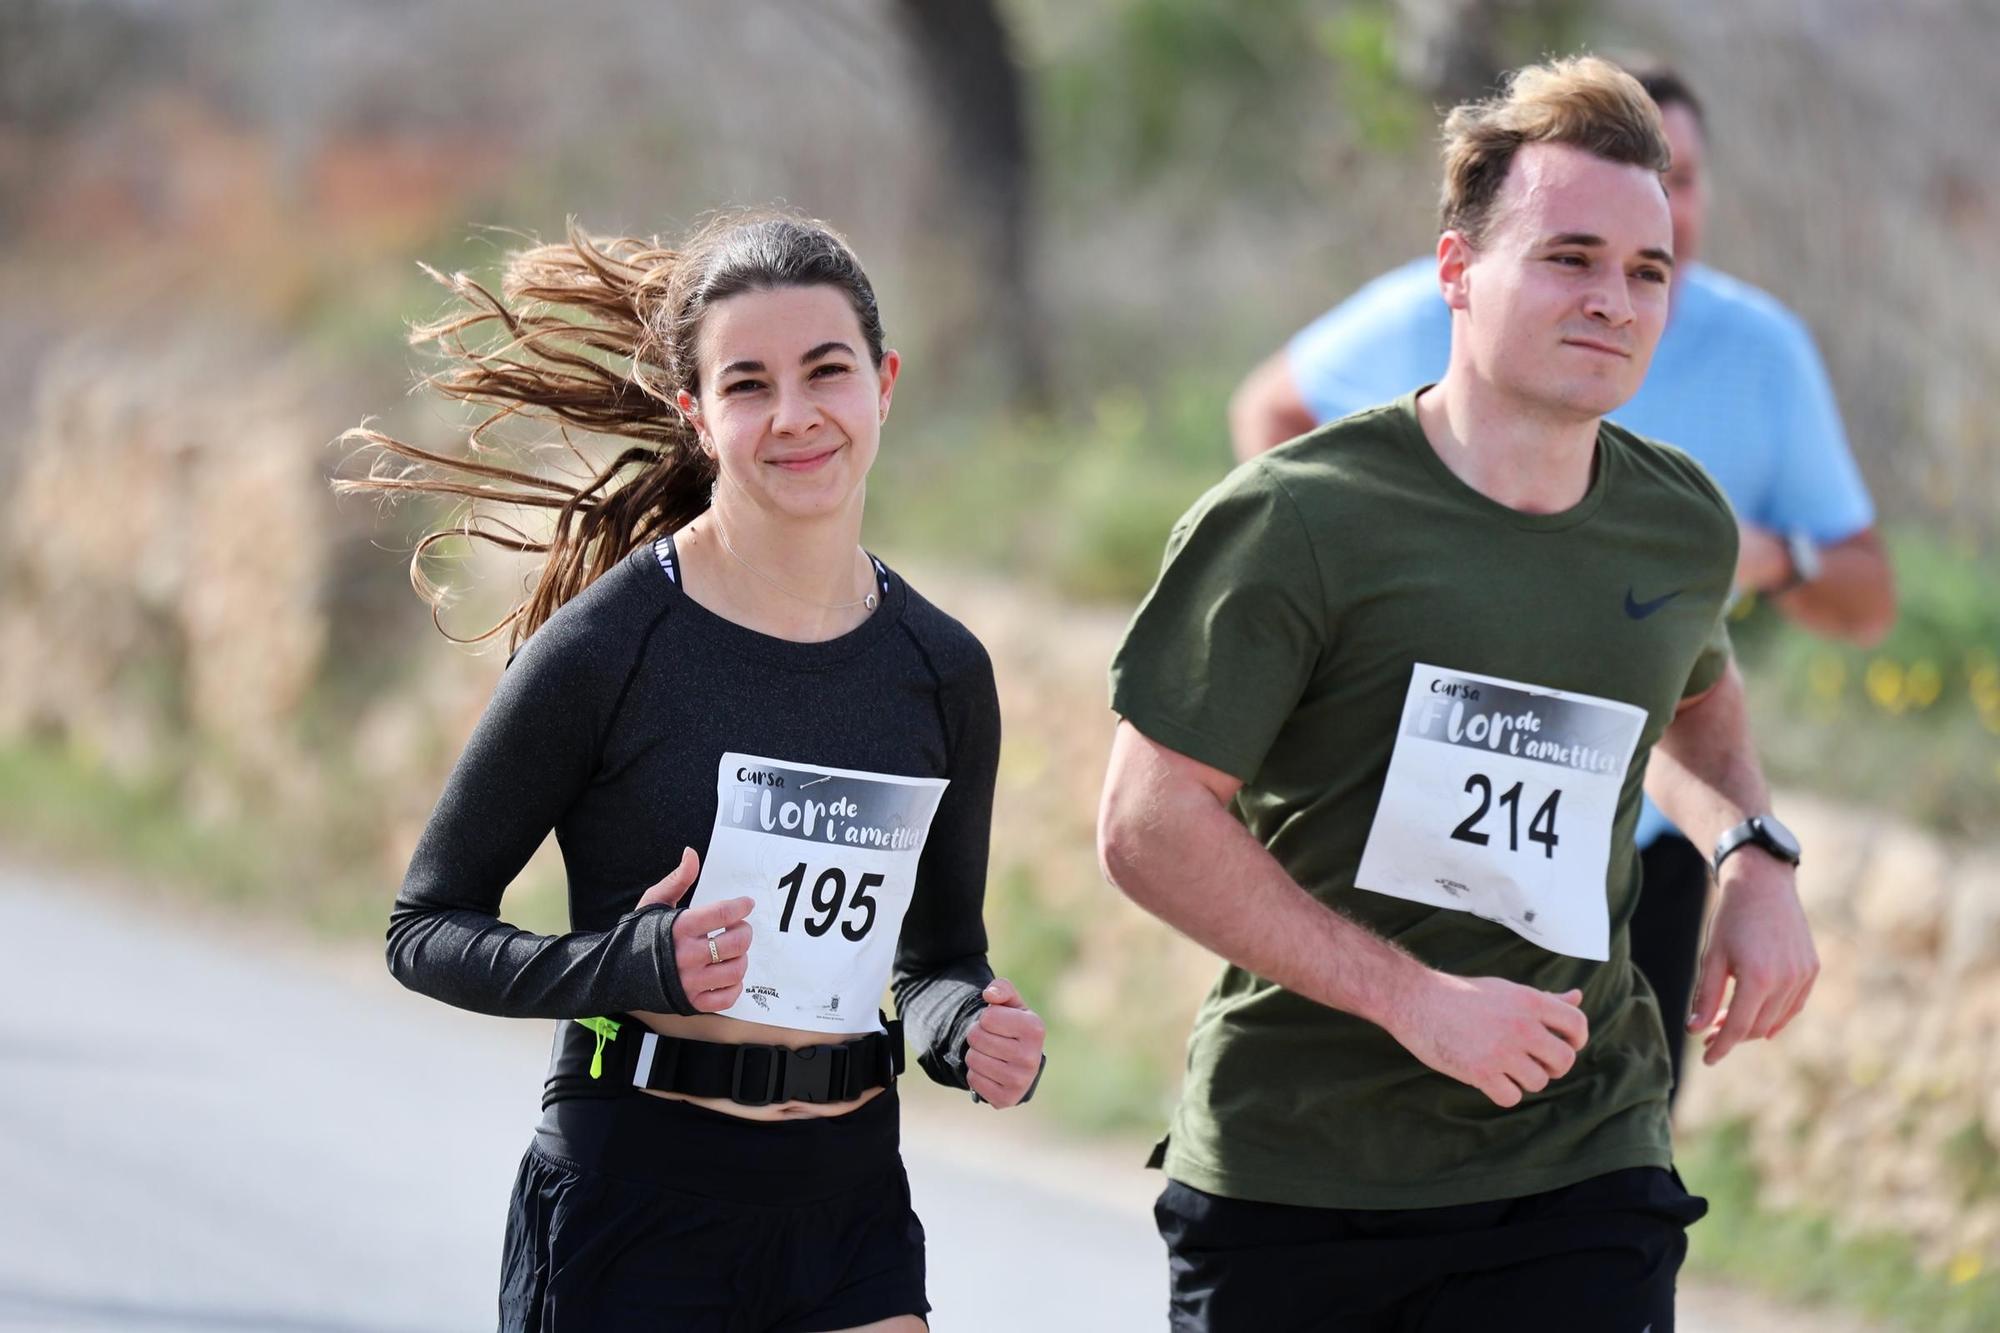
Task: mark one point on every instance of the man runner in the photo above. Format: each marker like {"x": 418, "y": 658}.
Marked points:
{"x": 1428, "y": 1092}
{"x": 1736, "y": 382}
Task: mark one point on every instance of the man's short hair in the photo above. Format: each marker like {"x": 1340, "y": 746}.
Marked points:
{"x": 1583, "y": 101}
{"x": 1664, "y": 84}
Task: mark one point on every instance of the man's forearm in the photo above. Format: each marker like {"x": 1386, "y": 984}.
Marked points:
{"x": 1171, "y": 847}
{"x": 1266, "y": 409}
{"x": 1704, "y": 773}
{"x": 1853, "y": 598}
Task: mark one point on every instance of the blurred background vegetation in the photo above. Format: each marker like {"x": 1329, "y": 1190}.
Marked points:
{"x": 1086, "y": 220}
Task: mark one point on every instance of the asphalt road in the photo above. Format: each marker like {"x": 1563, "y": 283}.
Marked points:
{"x": 205, "y": 1127}
{"x": 213, "y": 1129}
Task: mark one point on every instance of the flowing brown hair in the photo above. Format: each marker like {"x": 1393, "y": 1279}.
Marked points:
{"x": 592, "y": 335}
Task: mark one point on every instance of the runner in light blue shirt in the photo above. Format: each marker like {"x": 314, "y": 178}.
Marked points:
{"x": 1736, "y": 382}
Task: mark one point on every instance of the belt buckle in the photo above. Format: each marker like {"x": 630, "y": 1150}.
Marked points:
{"x": 809, "y": 1074}
{"x": 772, "y": 1075}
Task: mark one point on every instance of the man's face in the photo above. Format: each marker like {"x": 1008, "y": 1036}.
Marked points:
{"x": 1563, "y": 302}
{"x": 1687, "y": 180}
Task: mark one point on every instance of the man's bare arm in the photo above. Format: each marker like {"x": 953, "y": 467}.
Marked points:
{"x": 1704, "y": 775}
{"x": 1267, "y": 409}
{"x": 1853, "y": 599}
{"x": 1166, "y": 838}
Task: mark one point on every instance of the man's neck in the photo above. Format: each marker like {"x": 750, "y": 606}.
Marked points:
{"x": 1510, "y": 452}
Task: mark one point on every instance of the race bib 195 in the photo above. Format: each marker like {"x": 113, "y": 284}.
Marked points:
{"x": 1499, "y": 802}
{"x": 829, "y": 855}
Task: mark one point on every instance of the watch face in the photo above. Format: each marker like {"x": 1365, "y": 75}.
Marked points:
{"x": 1782, "y": 839}
{"x": 1804, "y": 555}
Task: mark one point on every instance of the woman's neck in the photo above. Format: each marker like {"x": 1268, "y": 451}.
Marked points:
{"x": 806, "y": 580}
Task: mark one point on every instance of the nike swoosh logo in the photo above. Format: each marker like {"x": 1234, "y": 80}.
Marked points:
{"x": 1640, "y": 610}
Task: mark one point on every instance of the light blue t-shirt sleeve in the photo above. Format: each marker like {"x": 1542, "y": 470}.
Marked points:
{"x": 1816, "y": 487}
{"x": 1392, "y": 336}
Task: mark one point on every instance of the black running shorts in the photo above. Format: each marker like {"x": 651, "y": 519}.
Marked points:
{"x": 1598, "y": 1257}
{"x": 641, "y": 1213}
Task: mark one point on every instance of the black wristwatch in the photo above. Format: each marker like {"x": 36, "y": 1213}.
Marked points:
{"x": 1758, "y": 831}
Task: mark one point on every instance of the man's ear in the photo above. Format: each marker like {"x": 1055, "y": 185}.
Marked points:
{"x": 1454, "y": 258}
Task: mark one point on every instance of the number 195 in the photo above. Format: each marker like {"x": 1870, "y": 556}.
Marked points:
{"x": 828, "y": 891}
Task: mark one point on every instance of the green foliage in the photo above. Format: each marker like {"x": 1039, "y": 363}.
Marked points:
{"x": 1098, "y": 1086}
{"x": 1360, "y": 41}
{"x": 1083, "y": 505}
{"x": 1095, "y": 1083}
{"x": 55, "y": 800}
{"x": 316, "y": 867}
{"x": 1974, "y": 1159}
{"x": 1914, "y": 724}
{"x": 1801, "y": 1257}
{"x": 1530, "y": 32}
{"x": 1030, "y": 945}
{"x": 1162, "y": 83}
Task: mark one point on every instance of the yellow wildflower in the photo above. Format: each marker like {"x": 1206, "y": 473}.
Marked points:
{"x": 1885, "y": 684}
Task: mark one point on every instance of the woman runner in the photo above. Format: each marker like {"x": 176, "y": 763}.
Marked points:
{"x": 717, "y": 693}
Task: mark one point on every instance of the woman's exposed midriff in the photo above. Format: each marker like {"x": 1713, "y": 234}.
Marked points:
{"x": 742, "y": 1032}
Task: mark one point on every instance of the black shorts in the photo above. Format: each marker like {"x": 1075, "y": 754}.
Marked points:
{"x": 1666, "y": 933}
{"x": 1598, "y": 1257}
{"x": 641, "y": 1213}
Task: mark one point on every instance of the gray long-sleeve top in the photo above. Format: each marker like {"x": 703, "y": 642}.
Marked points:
{"x": 607, "y": 727}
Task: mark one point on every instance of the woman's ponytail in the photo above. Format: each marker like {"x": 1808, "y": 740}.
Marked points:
{"x": 595, "y": 336}
{"x": 574, "y": 340}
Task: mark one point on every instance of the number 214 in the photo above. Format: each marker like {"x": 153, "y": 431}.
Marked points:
{"x": 827, "y": 894}
{"x": 1542, "y": 828}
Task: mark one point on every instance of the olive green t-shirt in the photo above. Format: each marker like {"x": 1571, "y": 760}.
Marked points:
{"x": 1286, "y": 642}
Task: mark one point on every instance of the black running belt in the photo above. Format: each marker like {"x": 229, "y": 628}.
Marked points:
{"x": 762, "y": 1075}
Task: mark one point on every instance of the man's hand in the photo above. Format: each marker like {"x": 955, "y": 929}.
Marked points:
{"x": 1004, "y": 1047}
{"x": 1760, "y": 938}
{"x": 1762, "y": 562}
{"x": 711, "y": 942}
{"x": 1505, "y": 1039}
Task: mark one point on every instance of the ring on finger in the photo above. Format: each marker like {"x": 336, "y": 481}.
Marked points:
{"x": 714, "y": 954}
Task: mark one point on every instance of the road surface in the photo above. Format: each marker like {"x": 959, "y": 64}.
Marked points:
{"x": 210, "y": 1127}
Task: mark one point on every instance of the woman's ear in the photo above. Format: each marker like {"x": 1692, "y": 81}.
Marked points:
{"x": 691, "y": 413}
{"x": 892, "y": 366}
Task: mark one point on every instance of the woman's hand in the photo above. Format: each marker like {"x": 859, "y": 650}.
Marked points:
{"x": 711, "y": 942}
{"x": 1004, "y": 1047}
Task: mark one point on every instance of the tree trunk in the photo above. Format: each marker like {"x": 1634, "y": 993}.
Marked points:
{"x": 966, "y": 70}
{"x": 1448, "y": 49}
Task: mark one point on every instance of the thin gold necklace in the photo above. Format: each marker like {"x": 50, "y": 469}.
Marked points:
{"x": 868, "y": 601}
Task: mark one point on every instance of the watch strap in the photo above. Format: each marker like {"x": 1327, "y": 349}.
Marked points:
{"x": 1751, "y": 832}
{"x": 1802, "y": 554}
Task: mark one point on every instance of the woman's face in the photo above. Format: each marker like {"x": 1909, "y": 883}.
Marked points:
{"x": 790, "y": 406}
